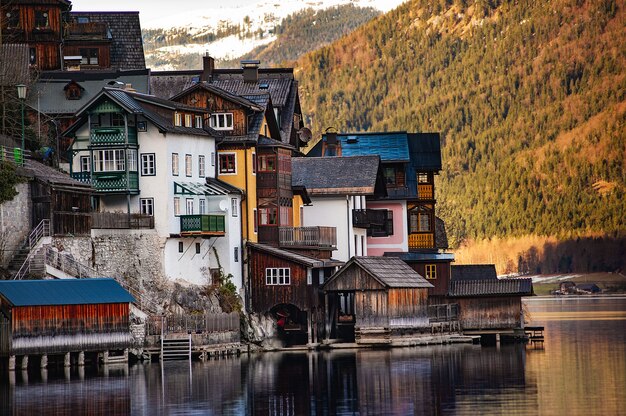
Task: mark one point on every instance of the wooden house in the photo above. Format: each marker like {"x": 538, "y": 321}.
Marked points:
{"x": 286, "y": 284}
{"x": 487, "y": 303}
{"x": 372, "y": 299}
{"x": 41, "y": 317}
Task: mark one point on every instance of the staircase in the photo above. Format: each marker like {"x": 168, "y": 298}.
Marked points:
{"x": 175, "y": 348}
{"x": 29, "y": 256}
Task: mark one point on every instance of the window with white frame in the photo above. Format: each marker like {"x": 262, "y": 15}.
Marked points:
{"x": 176, "y": 206}
{"x": 148, "y": 164}
{"x": 202, "y": 206}
{"x": 188, "y": 168}
{"x": 188, "y": 120}
{"x": 131, "y": 155}
{"x": 178, "y": 119}
{"x": 109, "y": 160}
{"x": 198, "y": 123}
{"x": 222, "y": 121}
{"x": 201, "y": 166}
{"x": 175, "y": 164}
{"x": 234, "y": 209}
{"x": 189, "y": 205}
{"x": 85, "y": 164}
{"x": 278, "y": 276}
{"x": 146, "y": 206}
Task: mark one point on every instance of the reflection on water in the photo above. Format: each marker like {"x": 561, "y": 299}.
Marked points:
{"x": 580, "y": 370}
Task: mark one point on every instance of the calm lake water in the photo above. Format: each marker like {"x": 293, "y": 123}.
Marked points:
{"x": 581, "y": 370}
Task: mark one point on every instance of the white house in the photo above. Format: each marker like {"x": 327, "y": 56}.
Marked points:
{"x": 151, "y": 163}
{"x": 338, "y": 187}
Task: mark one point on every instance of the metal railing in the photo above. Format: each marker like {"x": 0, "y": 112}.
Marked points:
{"x": 40, "y": 231}
{"x": 14, "y": 154}
{"x": 197, "y": 324}
{"x": 321, "y": 237}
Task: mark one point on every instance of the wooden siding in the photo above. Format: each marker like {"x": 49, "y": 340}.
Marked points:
{"x": 370, "y": 308}
{"x": 441, "y": 282}
{"x": 201, "y": 98}
{"x": 352, "y": 279}
{"x": 490, "y": 313}
{"x": 408, "y": 308}
{"x": 264, "y": 297}
{"x": 104, "y": 53}
{"x": 68, "y": 210}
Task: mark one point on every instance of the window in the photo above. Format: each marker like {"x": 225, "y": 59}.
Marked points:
{"x": 13, "y": 18}
{"x": 89, "y": 56}
{"x": 32, "y": 56}
{"x": 131, "y": 156}
{"x": 233, "y": 207}
{"x": 189, "y": 206}
{"x": 389, "y": 223}
{"x": 267, "y": 216}
{"x": 148, "y": 164}
{"x": 431, "y": 271}
{"x": 180, "y": 247}
{"x": 202, "y": 206}
{"x": 256, "y": 221}
{"x": 424, "y": 221}
{"x": 254, "y": 162}
{"x": 41, "y": 19}
{"x": 227, "y": 163}
{"x": 278, "y": 276}
{"x": 419, "y": 222}
{"x": 175, "y": 164}
{"x": 222, "y": 121}
{"x": 176, "y": 205}
{"x": 85, "y": 165}
{"x": 267, "y": 163}
{"x": 201, "y": 166}
{"x": 146, "y": 206}
{"x": 197, "y": 248}
{"x": 212, "y": 158}
{"x": 178, "y": 119}
{"x": 188, "y": 120}
{"x": 117, "y": 120}
{"x": 423, "y": 178}
{"x": 285, "y": 215}
{"x": 236, "y": 254}
{"x": 188, "y": 162}
{"x": 198, "y": 123}
{"x": 73, "y": 92}
{"x": 109, "y": 160}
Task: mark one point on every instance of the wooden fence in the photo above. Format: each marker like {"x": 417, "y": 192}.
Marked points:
{"x": 114, "y": 220}
{"x": 197, "y": 324}
{"x": 443, "y": 313}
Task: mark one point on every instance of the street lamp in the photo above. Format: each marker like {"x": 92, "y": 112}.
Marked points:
{"x": 21, "y": 94}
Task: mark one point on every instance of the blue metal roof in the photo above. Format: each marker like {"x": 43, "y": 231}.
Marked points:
{"x": 63, "y": 292}
{"x": 389, "y": 146}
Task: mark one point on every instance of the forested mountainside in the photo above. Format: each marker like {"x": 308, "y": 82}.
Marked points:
{"x": 308, "y": 30}
{"x": 529, "y": 97}
{"x": 298, "y": 33}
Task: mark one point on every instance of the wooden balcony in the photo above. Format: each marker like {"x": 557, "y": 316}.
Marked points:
{"x": 115, "y": 182}
{"x": 421, "y": 240}
{"x": 91, "y": 30}
{"x": 106, "y": 136}
{"x": 202, "y": 225}
{"x": 121, "y": 221}
{"x": 425, "y": 191}
{"x": 308, "y": 237}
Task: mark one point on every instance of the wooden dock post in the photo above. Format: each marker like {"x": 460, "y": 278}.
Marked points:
{"x": 66, "y": 360}
{"x": 25, "y": 362}
{"x": 12, "y": 363}
{"x": 81, "y": 359}
{"x": 105, "y": 357}
{"x": 43, "y": 364}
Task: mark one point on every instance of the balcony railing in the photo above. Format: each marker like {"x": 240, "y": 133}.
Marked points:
{"x": 202, "y": 225}
{"x": 118, "y": 220}
{"x": 422, "y": 240}
{"x": 91, "y": 30}
{"x": 104, "y": 136}
{"x": 115, "y": 182}
{"x": 304, "y": 237}
{"x": 425, "y": 191}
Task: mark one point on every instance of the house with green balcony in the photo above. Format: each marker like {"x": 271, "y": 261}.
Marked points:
{"x": 152, "y": 167}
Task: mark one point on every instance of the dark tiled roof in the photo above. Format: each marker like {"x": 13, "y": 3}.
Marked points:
{"x": 425, "y": 150}
{"x": 462, "y": 288}
{"x": 222, "y": 93}
{"x": 473, "y": 272}
{"x": 389, "y": 271}
{"x": 63, "y": 292}
{"x": 14, "y": 64}
{"x": 52, "y": 176}
{"x": 295, "y": 257}
{"x": 126, "y": 44}
{"x": 413, "y": 256}
{"x": 336, "y": 175}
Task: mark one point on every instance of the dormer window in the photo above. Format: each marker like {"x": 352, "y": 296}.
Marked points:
{"x": 13, "y": 18}
{"x": 178, "y": 119}
{"x": 188, "y": 120}
{"x": 42, "y": 20}
{"x": 222, "y": 121}
{"x": 198, "y": 124}
{"x": 423, "y": 177}
{"x": 73, "y": 91}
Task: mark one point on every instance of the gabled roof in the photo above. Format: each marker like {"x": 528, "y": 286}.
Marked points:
{"x": 513, "y": 287}
{"x": 63, "y": 292}
{"x": 467, "y": 272}
{"x": 126, "y": 40}
{"x": 244, "y": 102}
{"x": 294, "y": 257}
{"x": 14, "y": 60}
{"x": 336, "y": 175}
{"x": 390, "y": 272}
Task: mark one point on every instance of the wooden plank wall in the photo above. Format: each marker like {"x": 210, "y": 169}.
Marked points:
{"x": 408, "y": 307}
{"x": 442, "y": 281}
{"x": 371, "y": 310}
{"x": 352, "y": 279}
{"x": 264, "y": 297}
{"x": 204, "y": 99}
{"x": 490, "y": 313}
{"x": 104, "y": 53}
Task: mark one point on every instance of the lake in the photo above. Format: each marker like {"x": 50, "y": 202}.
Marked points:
{"x": 579, "y": 370}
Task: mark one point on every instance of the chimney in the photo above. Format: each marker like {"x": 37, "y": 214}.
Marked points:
{"x": 208, "y": 65}
{"x": 250, "y": 70}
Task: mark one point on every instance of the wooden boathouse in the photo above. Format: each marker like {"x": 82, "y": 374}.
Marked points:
{"x": 372, "y": 299}
{"x": 61, "y": 317}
